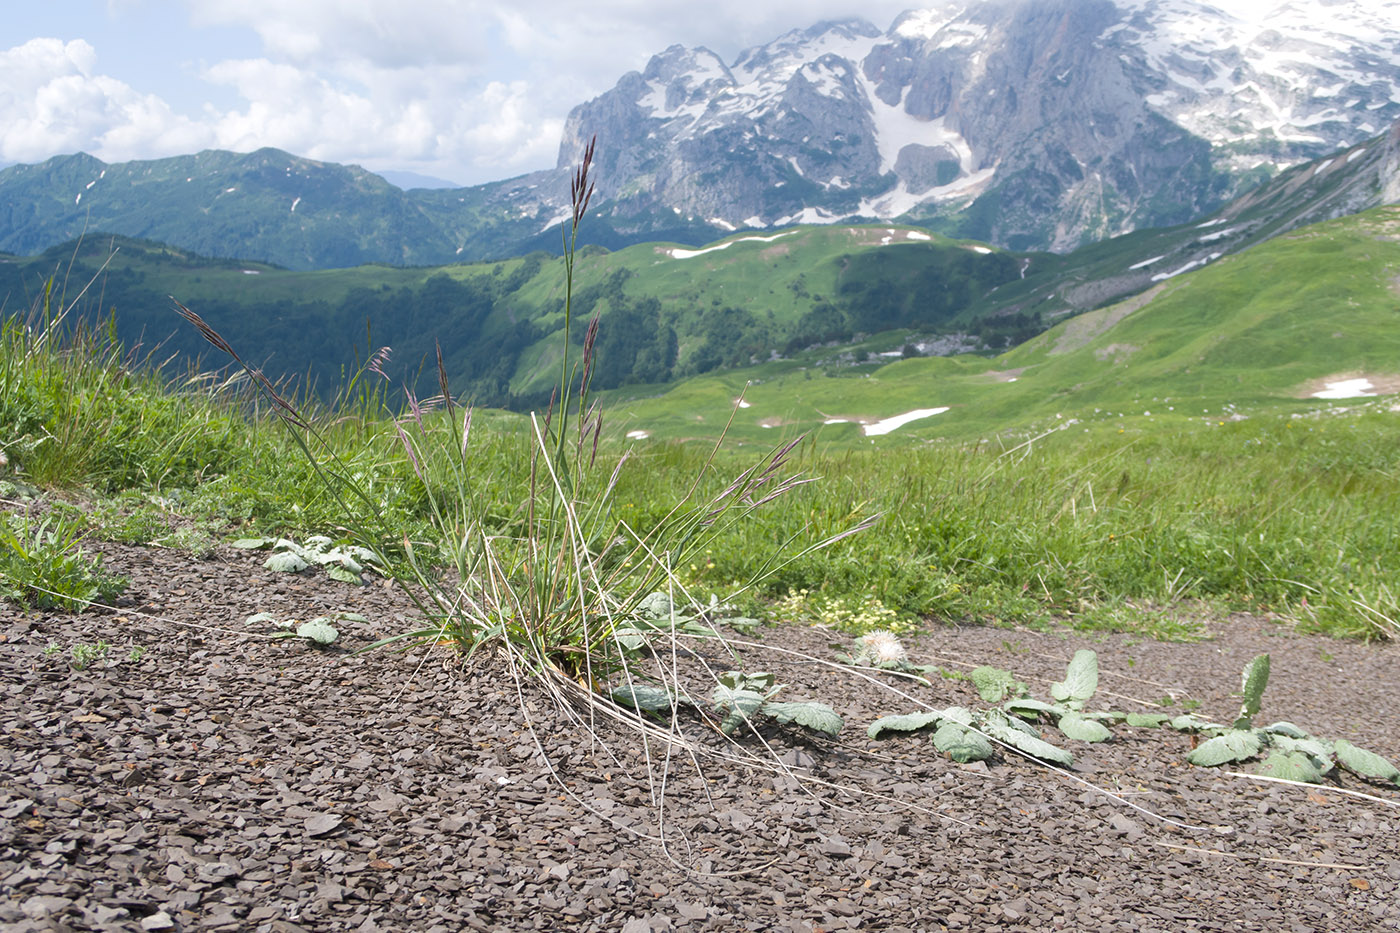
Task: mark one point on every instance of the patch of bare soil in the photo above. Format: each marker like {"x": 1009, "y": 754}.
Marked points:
{"x": 1004, "y": 375}
{"x": 222, "y": 781}
{"x": 1115, "y": 352}
{"x": 1085, "y": 327}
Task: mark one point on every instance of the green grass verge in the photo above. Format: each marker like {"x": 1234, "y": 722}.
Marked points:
{"x": 1132, "y": 522}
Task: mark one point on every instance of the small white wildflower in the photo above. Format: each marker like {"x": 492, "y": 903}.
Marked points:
{"x": 879, "y": 648}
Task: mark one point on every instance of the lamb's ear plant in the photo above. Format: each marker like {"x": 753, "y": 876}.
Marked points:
{"x": 963, "y": 734}
{"x": 1070, "y": 696}
{"x": 1290, "y": 752}
{"x": 320, "y": 631}
{"x": 739, "y": 697}
{"x": 342, "y": 561}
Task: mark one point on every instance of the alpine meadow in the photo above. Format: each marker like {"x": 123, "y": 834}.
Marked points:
{"x": 880, "y": 480}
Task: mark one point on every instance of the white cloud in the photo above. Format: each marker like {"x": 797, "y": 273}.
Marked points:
{"x": 52, "y": 102}
{"x": 390, "y": 33}
{"x": 380, "y": 120}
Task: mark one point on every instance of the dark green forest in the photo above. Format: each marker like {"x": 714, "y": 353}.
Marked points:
{"x": 487, "y": 319}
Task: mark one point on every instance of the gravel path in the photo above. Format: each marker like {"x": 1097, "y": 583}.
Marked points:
{"x": 227, "y": 782}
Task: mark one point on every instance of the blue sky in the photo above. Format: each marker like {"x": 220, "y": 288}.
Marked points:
{"x": 466, "y": 90}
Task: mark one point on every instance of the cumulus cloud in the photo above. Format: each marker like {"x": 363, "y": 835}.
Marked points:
{"x": 380, "y": 121}
{"x": 391, "y": 33}
{"x": 51, "y": 101}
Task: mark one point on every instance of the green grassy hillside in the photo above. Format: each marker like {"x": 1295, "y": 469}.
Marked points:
{"x": 1260, "y": 330}
{"x": 1142, "y": 521}
{"x": 668, "y": 311}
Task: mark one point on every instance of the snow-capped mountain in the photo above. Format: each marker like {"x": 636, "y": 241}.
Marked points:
{"x": 1030, "y": 123}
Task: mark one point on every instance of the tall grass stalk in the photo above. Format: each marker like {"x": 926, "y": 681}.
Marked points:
{"x": 559, "y": 580}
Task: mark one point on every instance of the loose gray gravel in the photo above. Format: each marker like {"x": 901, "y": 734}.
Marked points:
{"x": 223, "y": 781}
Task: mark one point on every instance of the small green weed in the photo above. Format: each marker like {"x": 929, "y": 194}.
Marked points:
{"x": 128, "y": 518}
{"x": 84, "y": 655}
{"x": 196, "y": 542}
{"x": 43, "y": 566}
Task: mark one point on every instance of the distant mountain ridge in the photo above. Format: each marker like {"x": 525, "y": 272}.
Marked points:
{"x": 815, "y": 292}
{"x": 272, "y": 206}
{"x": 1027, "y": 123}
{"x": 1351, "y": 181}
{"x": 1030, "y": 124}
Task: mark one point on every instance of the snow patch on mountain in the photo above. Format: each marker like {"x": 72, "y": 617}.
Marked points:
{"x": 926, "y": 25}
{"x": 692, "y": 253}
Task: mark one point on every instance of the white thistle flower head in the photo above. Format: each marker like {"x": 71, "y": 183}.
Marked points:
{"x": 882, "y": 648}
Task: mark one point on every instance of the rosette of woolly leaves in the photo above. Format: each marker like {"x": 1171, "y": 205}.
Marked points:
{"x": 342, "y": 562}
{"x": 1293, "y": 754}
{"x": 739, "y": 697}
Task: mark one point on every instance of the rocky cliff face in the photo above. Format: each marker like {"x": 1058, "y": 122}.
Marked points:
{"x": 1029, "y": 123}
